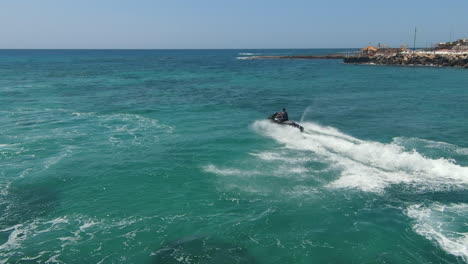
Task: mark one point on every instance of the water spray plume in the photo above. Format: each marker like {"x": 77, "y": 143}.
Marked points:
{"x": 306, "y": 111}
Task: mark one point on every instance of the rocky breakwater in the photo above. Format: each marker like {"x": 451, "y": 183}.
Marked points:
{"x": 409, "y": 59}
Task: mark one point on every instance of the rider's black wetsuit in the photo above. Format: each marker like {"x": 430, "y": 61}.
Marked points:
{"x": 284, "y": 116}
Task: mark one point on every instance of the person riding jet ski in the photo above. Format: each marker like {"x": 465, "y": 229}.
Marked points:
{"x": 283, "y": 116}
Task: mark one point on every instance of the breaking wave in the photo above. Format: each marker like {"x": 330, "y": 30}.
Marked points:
{"x": 367, "y": 165}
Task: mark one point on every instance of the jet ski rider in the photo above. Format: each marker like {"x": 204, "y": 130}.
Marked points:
{"x": 283, "y": 116}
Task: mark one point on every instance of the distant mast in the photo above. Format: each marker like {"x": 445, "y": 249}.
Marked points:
{"x": 414, "y": 41}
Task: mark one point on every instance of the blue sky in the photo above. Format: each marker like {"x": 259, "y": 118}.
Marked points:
{"x": 227, "y": 23}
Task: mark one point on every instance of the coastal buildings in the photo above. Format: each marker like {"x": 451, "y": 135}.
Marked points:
{"x": 381, "y": 50}
{"x": 457, "y": 45}
{"x": 369, "y": 50}
{"x": 450, "y": 54}
{"x": 446, "y": 54}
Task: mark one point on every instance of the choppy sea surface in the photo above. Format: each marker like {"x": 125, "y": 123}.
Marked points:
{"x": 165, "y": 156}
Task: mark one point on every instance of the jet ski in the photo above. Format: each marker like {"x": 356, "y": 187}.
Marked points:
{"x": 276, "y": 120}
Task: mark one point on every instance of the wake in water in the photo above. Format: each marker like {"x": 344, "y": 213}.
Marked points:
{"x": 345, "y": 162}
{"x": 366, "y": 165}
{"x": 372, "y": 166}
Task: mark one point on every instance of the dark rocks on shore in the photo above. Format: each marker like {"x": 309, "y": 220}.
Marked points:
{"x": 364, "y": 59}
{"x": 445, "y": 60}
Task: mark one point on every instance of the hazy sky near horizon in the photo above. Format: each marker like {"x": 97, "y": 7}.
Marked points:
{"x": 221, "y": 24}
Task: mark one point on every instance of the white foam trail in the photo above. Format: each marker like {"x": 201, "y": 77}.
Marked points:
{"x": 402, "y": 141}
{"x": 7, "y": 146}
{"x": 54, "y": 259}
{"x": 14, "y": 237}
{"x": 298, "y": 170}
{"x": 280, "y": 171}
{"x": 329, "y": 131}
{"x": 443, "y": 224}
{"x": 58, "y": 220}
{"x": 87, "y": 225}
{"x": 227, "y": 172}
{"x": 271, "y": 156}
{"x": 366, "y": 165}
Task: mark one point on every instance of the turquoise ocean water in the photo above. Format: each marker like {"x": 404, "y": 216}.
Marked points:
{"x": 165, "y": 156}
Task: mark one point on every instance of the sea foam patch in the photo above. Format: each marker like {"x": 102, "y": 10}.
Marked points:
{"x": 123, "y": 128}
{"x": 444, "y": 225}
{"x": 70, "y": 231}
{"x": 367, "y": 165}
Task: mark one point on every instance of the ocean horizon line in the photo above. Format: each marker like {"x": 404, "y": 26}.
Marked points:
{"x": 171, "y": 48}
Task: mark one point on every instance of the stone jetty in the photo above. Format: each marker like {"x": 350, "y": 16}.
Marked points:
{"x": 441, "y": 59}
{"x": 459, "y": 60}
